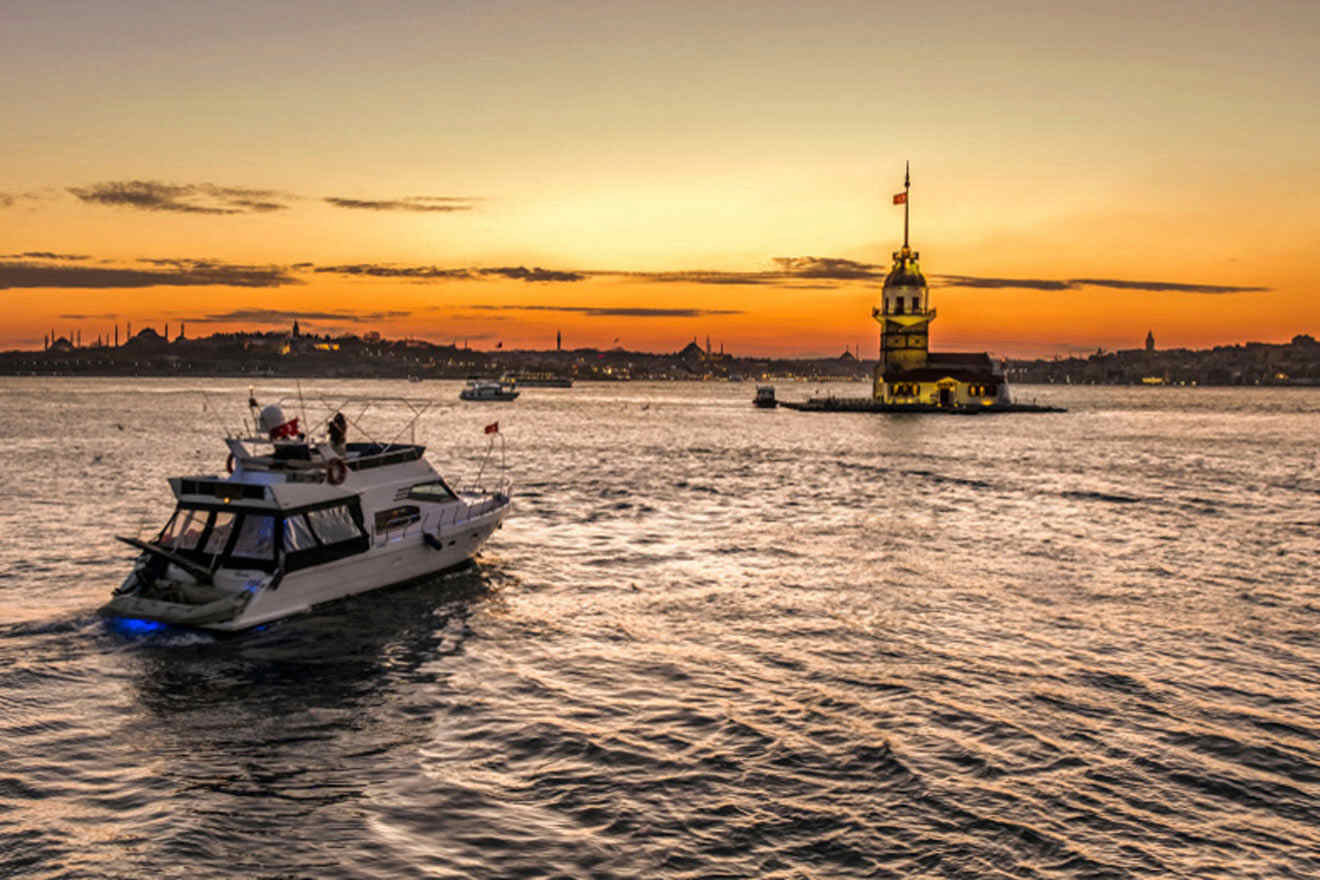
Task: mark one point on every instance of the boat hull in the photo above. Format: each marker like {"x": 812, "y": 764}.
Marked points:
{"x": 504, "y": 395}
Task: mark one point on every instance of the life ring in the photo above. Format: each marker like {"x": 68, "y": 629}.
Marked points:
{"x": 229, "y": 463}
{"x": 336, "y": 471}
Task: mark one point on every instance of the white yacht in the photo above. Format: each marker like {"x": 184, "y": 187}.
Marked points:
{"x": 490, "y": 389}
{"x": 302, "y": 522}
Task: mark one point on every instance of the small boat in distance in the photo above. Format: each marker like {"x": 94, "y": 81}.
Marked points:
{"x": 765, "y": 397}
{"x": 489, "y": 389}
{"x": 305, "y": 522}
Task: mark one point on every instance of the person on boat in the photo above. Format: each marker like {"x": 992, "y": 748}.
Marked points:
{"x": 338, "y": 431}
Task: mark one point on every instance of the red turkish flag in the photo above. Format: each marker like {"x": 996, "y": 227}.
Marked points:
{"x": 900, "y": 198}
{"x": 493, "y": 428}
{"x": 288, "y": 429}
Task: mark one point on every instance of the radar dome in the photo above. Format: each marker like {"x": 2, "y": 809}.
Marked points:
{"x": 271, "y": 417}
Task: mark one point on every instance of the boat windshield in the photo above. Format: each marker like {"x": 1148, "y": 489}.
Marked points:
{"x": 244, "y": 538}
{"x": 184, "y": 530}
{"x": 220, "y": 529}
{"x": 213, "y": 537}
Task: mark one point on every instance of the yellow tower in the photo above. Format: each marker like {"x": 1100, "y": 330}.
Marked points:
{"x": 904, "y": 314}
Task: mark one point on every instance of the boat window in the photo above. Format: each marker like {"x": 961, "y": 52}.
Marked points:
{"x": 435, "y": 490}
{"x": 333, "y": 524}
{"x": 184, "y": 529}
{"x": 297, "y": 534}
{"x": 256, "y": 537}
{"x": 397, "y": 518}
{"x": 220, "y": 529}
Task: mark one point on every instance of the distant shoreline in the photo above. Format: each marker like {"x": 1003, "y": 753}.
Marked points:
{"x": 290, "y": 355}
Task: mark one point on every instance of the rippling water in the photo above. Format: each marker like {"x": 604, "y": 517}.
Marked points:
{"x": 709, "y": 642}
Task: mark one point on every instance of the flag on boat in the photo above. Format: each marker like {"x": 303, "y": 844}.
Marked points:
{"x": 900, "y": 198}
{"x": 493, "y": 428}
{"x": 288, "y": 429}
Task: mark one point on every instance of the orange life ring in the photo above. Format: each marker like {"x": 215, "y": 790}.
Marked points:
{"x": 229, "y": 463}
{"x": 336, "y": 471}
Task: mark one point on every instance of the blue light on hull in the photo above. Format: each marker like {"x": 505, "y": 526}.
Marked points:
{"x": 135, "y": 626}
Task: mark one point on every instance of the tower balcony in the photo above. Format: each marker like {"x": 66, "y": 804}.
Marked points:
{"x": 906, "y": 319}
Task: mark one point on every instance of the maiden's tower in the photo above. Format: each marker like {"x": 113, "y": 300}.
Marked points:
{"x": 908, "y": 373}
{"x": 909, "y": 376}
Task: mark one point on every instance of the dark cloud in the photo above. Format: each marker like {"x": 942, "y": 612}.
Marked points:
{"x": 1166, "y": 285}
{"x": 190, "y": 198}
{"x": 424, "y": 204}
{"x": 43, "y": 255}
{"x": 434, "y": 273}
{"x": 9, "y": 200}
{"x": 259, "y": 207}
{"x": 1074, "y": 283}
{"x": 105, "y": 316}
{"x": 534, "y": 274}
{"x": 280, "y": 316}
{"x": 179, "y": 273}
{"x": 829, "y": 267}
{"x": 994, "y": 283}
{"x": 377, "y": 270}
{"x": 790, "y": 269}
{"x": 617, "y": 311}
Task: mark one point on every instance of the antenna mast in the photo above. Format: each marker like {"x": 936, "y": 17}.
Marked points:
{"x": 907, "y": 200}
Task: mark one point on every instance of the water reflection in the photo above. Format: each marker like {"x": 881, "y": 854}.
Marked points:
{"x": 330, "y": 657}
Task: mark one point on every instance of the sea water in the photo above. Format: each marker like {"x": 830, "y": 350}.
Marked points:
{"x": 710, "y": 641}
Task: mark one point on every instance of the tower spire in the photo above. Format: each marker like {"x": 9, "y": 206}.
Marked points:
{"x": 907, "y": 199}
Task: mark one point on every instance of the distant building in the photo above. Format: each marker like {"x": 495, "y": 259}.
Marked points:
{"x": 1150, "y": 340}
{"x": 908, "y": 372}
{"x": 692, "y": 354}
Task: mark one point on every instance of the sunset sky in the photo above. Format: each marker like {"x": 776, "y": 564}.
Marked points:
{"x": 653, "y": 172}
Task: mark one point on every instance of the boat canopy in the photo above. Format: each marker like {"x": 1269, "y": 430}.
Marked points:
{"x": 214, "y": 536}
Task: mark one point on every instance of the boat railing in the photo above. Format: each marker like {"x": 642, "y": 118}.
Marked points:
{"x": 455, "y": 514}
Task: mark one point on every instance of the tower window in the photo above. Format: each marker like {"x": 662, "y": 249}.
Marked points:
{"x": 898, "y": 306}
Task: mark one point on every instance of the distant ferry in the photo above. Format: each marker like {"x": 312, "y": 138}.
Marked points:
{"x": 489, "y": 389}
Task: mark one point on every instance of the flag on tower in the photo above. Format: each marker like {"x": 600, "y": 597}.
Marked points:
{"x": 900, "y": 198}
{"x": 493, "y": 428}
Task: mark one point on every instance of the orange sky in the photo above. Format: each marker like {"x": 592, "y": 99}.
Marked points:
{"x": 1081, "y": 173}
